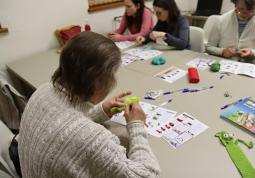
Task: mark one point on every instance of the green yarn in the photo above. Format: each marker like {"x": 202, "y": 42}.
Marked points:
{"x": 158, "y": 60}
{"x": 128, "y": 101}
{"x": 236, "y": 154}
{"x": 215, "y": 67}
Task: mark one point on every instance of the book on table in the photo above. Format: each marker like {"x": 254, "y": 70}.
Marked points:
{"x": 242, "y": 113}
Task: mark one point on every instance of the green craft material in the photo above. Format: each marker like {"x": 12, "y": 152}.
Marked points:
{"x": 236, "y": 154}
{"x": 128, "y": 101}
{"x": 215, "y": 67}
{"x": 158, "y": 60}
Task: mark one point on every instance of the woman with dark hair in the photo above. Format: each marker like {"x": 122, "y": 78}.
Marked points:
{"x": 137, "y": 19}
{"x": 171, "y": 26}
{"x": 61, "y": 133}
{"x": 233, "y": 35}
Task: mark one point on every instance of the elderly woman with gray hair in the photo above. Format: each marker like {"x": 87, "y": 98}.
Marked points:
{"x": 61, "y": 133}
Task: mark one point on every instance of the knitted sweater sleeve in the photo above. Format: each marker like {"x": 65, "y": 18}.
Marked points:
{"x": 97, "y": 114}
{"x": 110, "y": 160}
{"x": 212, "y": 46}
{"x": 142, "y": 162}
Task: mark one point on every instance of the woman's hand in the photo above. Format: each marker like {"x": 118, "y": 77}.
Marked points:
{"x": 114, "y": 36}
{"x": 134, "y": 112}
{"x": 156, "y": 34}
{"x": 115, "y": 101}
{"x": 229, "y": 52}
{"x": 245, "y": 52}
{"x": 140, "y": 40}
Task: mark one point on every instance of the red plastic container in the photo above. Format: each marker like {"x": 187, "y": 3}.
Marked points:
{"x": 193, "y": 75}
{"x": 87, "y": 27}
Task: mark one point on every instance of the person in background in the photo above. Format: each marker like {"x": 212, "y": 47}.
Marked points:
{"x": 61, "y": 133}
{"x": 233, "y": 35}
{"x": 171, "y": 26}
{"x": 137, "y": 19}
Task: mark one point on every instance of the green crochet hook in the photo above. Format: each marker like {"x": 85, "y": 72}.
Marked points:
{"x": 236, "y": 154}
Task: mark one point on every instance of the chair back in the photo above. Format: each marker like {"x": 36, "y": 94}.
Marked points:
{"x": 5, "y": 140}
{"x": 197, "y": 39}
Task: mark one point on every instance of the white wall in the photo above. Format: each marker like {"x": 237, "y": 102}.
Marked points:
{"x": 31, "y": 23}
{"x": 226, "y": 5}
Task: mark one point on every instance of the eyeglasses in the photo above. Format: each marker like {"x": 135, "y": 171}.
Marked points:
{"x": 242, "y": 10}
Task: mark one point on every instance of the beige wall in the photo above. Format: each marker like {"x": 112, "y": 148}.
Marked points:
{"x": 31, "y": 24}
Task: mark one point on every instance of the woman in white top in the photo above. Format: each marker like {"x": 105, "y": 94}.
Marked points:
{"x": 233, "y": 35}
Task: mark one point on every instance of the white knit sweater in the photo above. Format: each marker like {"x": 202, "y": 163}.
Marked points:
{"x": 225, "y": 34}
{"x": 58, "y": 139}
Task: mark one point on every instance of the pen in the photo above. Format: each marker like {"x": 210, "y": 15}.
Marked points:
{"x": 230, "y": 104}
{"x": 186, "y": 90}
{"x": 149, "y": 98}
{"x": 194, "y": 90}
{"x": 199, "y": 62}
{"x": 162, "y": 104}
{"x": 168, "y": 93}
{"x": 171, "y": 92}
{"x": 221, "y": 77}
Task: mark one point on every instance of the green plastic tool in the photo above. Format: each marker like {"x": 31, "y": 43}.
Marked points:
{"x": 128, "y": 101}
{"x": 236, "y": 154}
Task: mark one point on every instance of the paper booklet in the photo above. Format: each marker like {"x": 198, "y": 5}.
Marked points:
{"x": 237, "y": 68}
{"x": 161, "y": 122}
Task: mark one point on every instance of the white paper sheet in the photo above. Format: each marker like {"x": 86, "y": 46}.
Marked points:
{"x": 171, "y": 74}
{"x": 124, "y": 44}
{"x": 143, "y": 53}
{"x": 181, "y": 129}
{"x": 237, "y": 68}
{"x": 200, "y": 63}
{"x": 155, "y": 118}
{"x": 229, "y": 66}
{"x": 127, "y": 59}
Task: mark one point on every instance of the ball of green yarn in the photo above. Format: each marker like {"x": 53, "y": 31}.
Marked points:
{"x": 158, "y": 60}
{"x": 215, "y": 67}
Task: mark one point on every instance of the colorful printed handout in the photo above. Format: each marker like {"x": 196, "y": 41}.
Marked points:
{"x": 171, "y": 74}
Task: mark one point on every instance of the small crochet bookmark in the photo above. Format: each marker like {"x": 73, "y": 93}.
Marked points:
{"x": 236, "y": 154}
